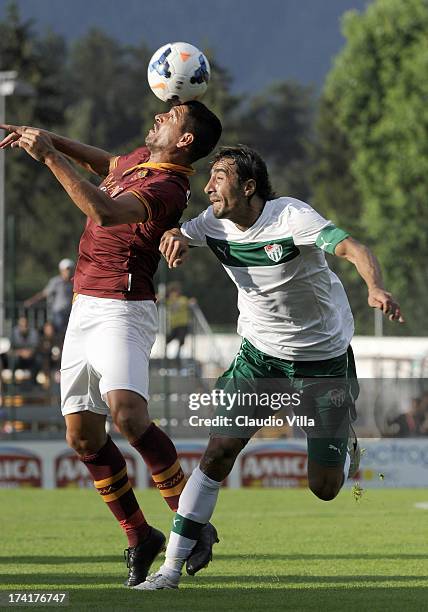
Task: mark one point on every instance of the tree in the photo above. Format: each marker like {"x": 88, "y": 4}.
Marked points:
{"x": 279, "y": 124}
{"x": 336, "y": 197}
{"x": 32, "y": 196}
{"x": 378, "y": 89}
{"x": 111, "y": 104}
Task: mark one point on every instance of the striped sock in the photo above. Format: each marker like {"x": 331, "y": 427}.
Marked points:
{"x": 160, "y": 456}
{"x": 108, "y": 469}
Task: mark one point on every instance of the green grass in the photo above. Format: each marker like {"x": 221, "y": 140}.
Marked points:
{"x": 279, "y": 550}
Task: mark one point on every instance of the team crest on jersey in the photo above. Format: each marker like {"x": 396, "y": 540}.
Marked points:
{"x": 337, "y": 397}
{"x": 142, "y": 173}
{"x": 274, "y": 252}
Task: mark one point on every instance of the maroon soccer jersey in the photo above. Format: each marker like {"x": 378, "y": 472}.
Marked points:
{"x": 120, "y": 261}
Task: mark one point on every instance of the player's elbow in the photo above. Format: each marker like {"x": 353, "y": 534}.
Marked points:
{"x": 100, "y": 220}
{"x": 106, "y": 219}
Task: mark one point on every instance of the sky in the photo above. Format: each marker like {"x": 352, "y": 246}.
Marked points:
{"x": 258, "y": 41}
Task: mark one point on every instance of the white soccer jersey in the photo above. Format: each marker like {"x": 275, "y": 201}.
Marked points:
{"x": 291, "y": 305}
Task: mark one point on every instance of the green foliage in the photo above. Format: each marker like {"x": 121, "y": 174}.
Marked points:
{"x": 278, "y": 123}
{"x": 32, "y": 196}
{"x": 378, "y": 89}
{"x": 336, "y": 197}
{"x": 109, "y": 92}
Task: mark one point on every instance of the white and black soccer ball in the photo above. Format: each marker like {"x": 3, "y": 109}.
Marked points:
{"x": 178, "y": 71}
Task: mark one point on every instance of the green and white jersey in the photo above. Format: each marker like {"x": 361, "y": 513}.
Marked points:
{"x": 291, "y": 304}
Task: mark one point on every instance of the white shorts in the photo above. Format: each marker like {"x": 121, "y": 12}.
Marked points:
{"x": 106, "y": 347}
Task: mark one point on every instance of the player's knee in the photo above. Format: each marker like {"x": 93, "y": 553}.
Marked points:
{"x": 219, "y": 458}
{"x": 74, "y": 440}
{"x": 224, "y": 453}
{"x": 129, "y": 414}
{"x": 324, "y": 488}
{"x": 83, "y": 444}
{"x": 129, "y": 422}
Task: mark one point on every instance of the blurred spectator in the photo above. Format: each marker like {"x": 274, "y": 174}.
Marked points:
{"x": 179, "y": 316}
{"x": 412, "y": 423}
{"x": 4, "y": 364}
{"x": 59, "y": 295}
{"x": 4, "y": 348}
{"x": 424, "y": 413}
{"x": 24, "y": 342}
{"x": 48, "y": 354}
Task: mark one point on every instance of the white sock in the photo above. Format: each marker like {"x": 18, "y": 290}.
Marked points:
{"x": 177, "y": 551}
{"x": 197, "y": 503}
{"x": 346, "y": 467}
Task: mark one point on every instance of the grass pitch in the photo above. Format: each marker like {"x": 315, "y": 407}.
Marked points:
{"x": 279, "y": 550}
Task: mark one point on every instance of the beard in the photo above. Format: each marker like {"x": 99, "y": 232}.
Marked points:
{"x": 218, "y": 210}
{"x": 148, "y": 140}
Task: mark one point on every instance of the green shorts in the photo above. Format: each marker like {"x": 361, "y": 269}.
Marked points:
{"x": 318, "y": 396}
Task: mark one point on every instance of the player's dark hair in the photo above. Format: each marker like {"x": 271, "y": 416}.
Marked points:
{"x": 205, "y": 127}
{"x": 249, "y": 165}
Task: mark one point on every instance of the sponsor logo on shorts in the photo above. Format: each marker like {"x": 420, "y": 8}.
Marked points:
{"x": 337, "y": 397}
{"x": 332, "y": 447}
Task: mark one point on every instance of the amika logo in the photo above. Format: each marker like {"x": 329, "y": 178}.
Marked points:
{"x": 19, "y": 468}
{"x": 274, "y": 469}
{"x": 71, "y": 472}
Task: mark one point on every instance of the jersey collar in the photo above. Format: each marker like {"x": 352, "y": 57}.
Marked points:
{"x": 186, "y": 170}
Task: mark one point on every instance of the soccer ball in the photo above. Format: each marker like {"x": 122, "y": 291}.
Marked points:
{"x": 178, "y": 71}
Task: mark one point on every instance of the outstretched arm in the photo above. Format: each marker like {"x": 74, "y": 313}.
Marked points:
{"x": 96, "y": 204}
{"x": 369, "y": 269}
{"x": 174, "y": 246}
{"x": 91, "y": 158}
{"x": 176, "y": 242}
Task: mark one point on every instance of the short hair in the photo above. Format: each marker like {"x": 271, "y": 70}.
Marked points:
{"x": 205, "y": 127}
{"x": 249, "y": 165}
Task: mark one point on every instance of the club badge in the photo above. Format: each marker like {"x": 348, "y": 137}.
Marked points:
{"x": 274, "y": 252}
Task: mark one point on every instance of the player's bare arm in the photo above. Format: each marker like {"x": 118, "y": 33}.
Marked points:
{"x": 174, "y": 246}
{"x": 94, "y": 203}
{"x": 369, "y": 269}
{"x": 91, "y": 158}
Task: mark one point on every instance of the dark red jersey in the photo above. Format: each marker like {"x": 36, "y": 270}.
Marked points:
{"x": 120, "y": 261}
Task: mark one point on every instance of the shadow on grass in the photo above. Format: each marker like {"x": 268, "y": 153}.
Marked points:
{"x": 64, "y": 560}
{"x": 274, "y": 581}
{"x": 351, "y": 599}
